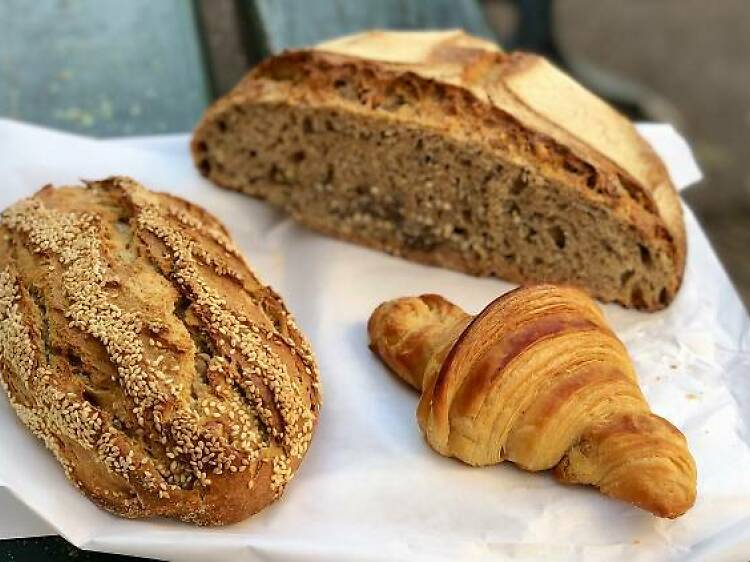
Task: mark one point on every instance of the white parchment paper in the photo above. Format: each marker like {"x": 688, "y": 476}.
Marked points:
{"x": 370, "y": 488}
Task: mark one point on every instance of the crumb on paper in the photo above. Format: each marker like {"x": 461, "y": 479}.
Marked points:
{"x": 691, "y": 396}
{"x": 673, "y": 366}
{"x": 636, "y": 541}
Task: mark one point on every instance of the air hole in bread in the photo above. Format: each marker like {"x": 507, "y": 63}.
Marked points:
{"x": 664, "y": 296}
{"x": 626, "y": 276}
{"x": 636, "y": 296}
{"x": 518, "y": 185}
{"x": 275, "y": 174}
{"x": 645, "y": 255}
{"x": 558, "y": 235}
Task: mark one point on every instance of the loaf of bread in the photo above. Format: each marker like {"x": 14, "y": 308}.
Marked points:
{"x": 440, "y": 148}
{"x": 136, "y": 343}
{"x": 539, "y": 379}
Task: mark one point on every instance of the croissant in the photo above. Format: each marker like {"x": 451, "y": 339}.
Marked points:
{"x": 539, "y": 379}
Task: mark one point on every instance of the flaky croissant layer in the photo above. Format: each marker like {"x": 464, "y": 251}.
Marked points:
{"x": 539, "y": 379}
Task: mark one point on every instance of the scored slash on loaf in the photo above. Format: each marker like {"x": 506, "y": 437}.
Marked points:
{"x": 438, "y": 147}
{"x": 139, "y": 346}
{"x": 539, "y": 379}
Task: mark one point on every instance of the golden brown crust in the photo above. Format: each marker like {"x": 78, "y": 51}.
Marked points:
{"x": 517, "y": 104}
{"x": 539, "y": 379}
{"x": 139, "y": 346}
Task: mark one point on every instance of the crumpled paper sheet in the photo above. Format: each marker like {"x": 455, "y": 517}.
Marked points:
{"x": 370, "y": 488}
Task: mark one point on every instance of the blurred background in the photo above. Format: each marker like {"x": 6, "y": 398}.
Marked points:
{"x": 111, "y": 68}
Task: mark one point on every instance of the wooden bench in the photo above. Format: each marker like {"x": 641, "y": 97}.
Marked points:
{"x": 102, "y": 67}
{"x": 111, "y": 68}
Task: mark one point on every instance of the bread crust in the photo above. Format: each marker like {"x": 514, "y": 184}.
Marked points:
{"x": 516, "y": 105}
{"x": 139, "y": 346}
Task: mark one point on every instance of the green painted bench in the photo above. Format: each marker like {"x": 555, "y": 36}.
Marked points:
{"x": 113, "y": 68}
{"x": 102, "y": 67}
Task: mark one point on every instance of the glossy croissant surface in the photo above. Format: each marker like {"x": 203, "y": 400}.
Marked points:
{"x": 539, "y": 379}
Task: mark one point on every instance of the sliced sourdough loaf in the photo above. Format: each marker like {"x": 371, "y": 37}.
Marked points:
{"x": 438, "y": 147}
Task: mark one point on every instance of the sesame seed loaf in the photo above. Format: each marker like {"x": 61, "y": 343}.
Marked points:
{"x": 138, "y": 345}
{"x": 439, "y": 147}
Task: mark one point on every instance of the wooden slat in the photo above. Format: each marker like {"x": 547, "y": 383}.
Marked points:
{"x": 274, "y": 25}
{"x": 102, "y": 67}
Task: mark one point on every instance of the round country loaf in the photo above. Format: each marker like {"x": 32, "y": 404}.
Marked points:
{"x": 139, "y": 346}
